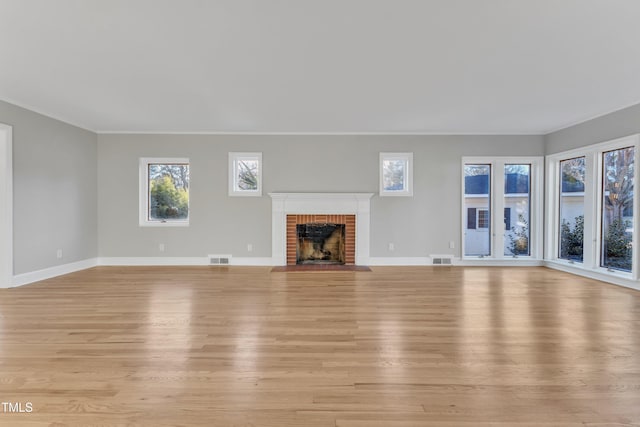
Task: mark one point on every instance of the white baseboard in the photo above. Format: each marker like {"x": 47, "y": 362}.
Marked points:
{"x": 487, "y": 262}
{"x": 597, "y": 275}
{"x": 148, "y": 261}
{"x": 389, "y": 261}
{"x": 251, "y": 261}
{"x": 58, "y": 270}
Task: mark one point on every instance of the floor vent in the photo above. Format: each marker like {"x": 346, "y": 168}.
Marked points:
{"x": 442, "y": 260}
{"x": 219, "y": 259}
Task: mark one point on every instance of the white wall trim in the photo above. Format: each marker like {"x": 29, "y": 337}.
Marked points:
{"x": 267, "y": 261}
{"x": 251, "y": 261}
{"x": 285, "y": 133}
{"x": 391, "y": 261}
{"x": 6, "y": 206}
{"x": 180, "y": 261}
{"x": 149, "y": 261}
{"x": 457, "y": 262}
{"x": 488, "y": 262}
{"x": 594, "y": 274}
{"x": 51, "y": 272}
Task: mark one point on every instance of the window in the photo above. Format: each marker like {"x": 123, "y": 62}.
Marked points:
{"x": 164, "y": 192}
{"x": 592, "y": 200}
{"x": 571, "y": 209}
{"x": 617, "y": 209}
{"x": 512, "y": 187}
{"x": 517, "y": 201}
{"x": 477, "y": 202}
{"x": 245, "y": 174}
{"x": 396, "y": 174}
{"x": 483, "y": 218}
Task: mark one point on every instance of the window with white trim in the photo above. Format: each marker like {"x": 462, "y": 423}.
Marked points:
{"x": 616, "y": 208}
{"x": 517, "y": 203}
{"x": 245, "y": 174}
{"x": 571, "y": 179}
{"x": 512, "y": 186}
{"x": 477, "y": 199}
{"x": 164, "y": 191}
{"x": 591, "y": 207}
{"x": 396, "y": 174}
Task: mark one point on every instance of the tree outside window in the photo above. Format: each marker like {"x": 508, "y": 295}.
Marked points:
{"x": 164, "y": 191}
{"x": 245, "y": 174}
{"x": 571, "y": 203}
{"x": 168, "y": 192}
{"x": 617, "y": 209}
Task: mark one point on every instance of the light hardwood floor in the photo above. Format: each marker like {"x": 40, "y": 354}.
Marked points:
{"x": 406, "y": 347}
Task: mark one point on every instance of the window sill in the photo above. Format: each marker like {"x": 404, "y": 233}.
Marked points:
{"x": 163, "y": 224}
{"x": 396, "y": 194}
{"x": 599, "y": 270}
{"x": 245, "y": 194}
{"x": 620, "y": 278}
{"x": 501, "y": 262}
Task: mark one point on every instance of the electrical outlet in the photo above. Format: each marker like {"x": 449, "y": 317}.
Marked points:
{"x": 161, "y": 247}
{"x": 392, "y": 247}
{"x": 452, "y": 245}
{"x": 249, "y": 247}
{"x": 59, "y": 254}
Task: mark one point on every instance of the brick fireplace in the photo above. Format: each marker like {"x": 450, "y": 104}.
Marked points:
{"x": 348, "y": 247}
{"x": 288, "y": 210}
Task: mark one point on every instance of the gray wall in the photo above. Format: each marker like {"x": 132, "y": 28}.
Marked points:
{"x": 55, "y": 186}
{"x": 605, "y": 128}
{"x": 418, "y": 226}
{"x": 60, "y": 202}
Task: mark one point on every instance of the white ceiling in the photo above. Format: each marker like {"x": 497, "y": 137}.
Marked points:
{"x": 321, "y": 66}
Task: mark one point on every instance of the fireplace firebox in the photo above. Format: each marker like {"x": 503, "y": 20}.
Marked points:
{"x": 325, "y": 239}
{"x": 320, "y": 243}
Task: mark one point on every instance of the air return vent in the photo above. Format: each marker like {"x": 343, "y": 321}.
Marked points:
{"x": 442, "y": 259}
{"x": 219, "y": 259}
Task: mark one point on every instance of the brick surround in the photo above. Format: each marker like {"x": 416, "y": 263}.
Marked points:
{"x": 350, "y": 233}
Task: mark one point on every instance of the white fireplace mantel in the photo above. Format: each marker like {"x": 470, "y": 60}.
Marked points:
{"x": 283, "y": 204}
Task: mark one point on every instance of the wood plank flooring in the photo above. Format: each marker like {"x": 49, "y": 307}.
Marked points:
{"x": 398, "y": 346}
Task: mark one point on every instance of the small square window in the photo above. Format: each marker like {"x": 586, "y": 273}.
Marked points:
{"x": 164, "y": 192}
{"x": 483, "y": 218}
{"x": 245, "y": 174}
{"x": 396, "y": 174}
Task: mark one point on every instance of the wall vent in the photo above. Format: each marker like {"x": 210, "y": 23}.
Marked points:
{"x": 219, "y": 259}
{"x": 442, "y": 259}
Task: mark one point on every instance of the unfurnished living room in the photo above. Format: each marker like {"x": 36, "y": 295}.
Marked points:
{"x": 323, "y": 213}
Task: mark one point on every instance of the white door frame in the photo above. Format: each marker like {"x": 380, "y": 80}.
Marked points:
{"x": 6, "y": 206}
